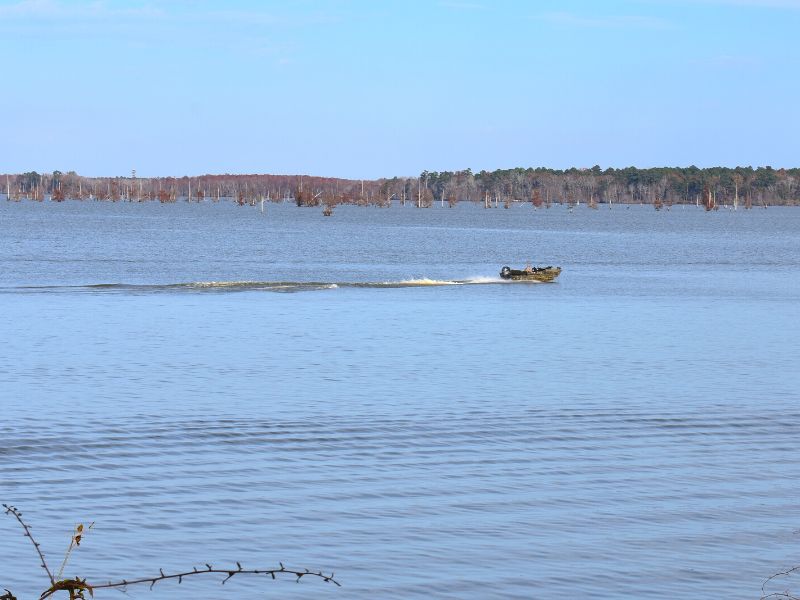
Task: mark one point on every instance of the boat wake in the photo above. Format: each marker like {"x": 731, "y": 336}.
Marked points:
{"x": 246, "y": 286}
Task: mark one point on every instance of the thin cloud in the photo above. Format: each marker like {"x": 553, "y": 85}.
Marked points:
{"x": 54, "y": 10}
{"x": 728, "y": 61}
{"x": 778, "y": 4}
{"x": 60, "y": 10}
{"x": 568, "y": 19}
{"x": 248, "y": 17}
{"x": 462, "y": 5}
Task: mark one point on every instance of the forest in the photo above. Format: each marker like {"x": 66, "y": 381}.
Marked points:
{"x": 660, "y": 187}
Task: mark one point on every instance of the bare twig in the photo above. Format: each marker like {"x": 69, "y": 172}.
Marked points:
{"x": 77, "y": 587}
{"x": 10, "y": 510}
{"x": 785, "y": 595}
{"x": 239, "y": 570}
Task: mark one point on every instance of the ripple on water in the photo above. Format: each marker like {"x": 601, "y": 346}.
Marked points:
{"x": 516, "y": 497}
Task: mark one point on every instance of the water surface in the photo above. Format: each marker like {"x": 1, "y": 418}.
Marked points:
{"x": 362, "y": 394}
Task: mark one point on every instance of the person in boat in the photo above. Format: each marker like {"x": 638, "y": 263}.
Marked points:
{"x": 528, "y": 268}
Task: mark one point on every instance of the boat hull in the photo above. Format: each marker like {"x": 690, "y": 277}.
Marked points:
{"x": 543, "y": 274}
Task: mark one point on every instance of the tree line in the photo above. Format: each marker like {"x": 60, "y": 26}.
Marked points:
{"x": 710, "y": 187}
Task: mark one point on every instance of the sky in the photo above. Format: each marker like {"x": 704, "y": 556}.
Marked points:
{"x": 371, "y": 88}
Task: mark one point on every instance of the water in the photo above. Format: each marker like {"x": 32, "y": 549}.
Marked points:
{"x": 361, "y": 394}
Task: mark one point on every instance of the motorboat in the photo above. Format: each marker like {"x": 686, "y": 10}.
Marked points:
{"x": 543, "y": 274}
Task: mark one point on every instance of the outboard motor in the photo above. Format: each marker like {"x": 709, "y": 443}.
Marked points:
{"x": 505, "y": 273}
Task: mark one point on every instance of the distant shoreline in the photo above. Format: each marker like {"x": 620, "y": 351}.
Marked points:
{"x": 328, "y": 208}
{"x": 712, "y": 188}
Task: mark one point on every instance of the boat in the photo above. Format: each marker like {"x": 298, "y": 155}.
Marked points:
{"x": 543, "y": 274}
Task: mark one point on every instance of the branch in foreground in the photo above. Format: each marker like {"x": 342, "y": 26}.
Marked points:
{"x": 239, "y": 570}
{"x": 10, "y": 510}
{"x": 785, "y": 595}
{"x": 76, "y": 587}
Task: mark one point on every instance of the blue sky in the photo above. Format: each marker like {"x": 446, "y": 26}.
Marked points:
{"x": 370, "y": 88}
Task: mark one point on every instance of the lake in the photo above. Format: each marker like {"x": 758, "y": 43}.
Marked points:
{"x": 362, "y": 394}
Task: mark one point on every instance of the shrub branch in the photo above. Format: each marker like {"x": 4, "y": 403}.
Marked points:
{"x": 77, "y": 587}
{"x": 10, "y": 510}
{"x": 785, "y": 595}
{"x": 229, "y": 573}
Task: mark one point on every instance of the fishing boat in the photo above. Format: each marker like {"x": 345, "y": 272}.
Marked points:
{"x": 543, "y": 274}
